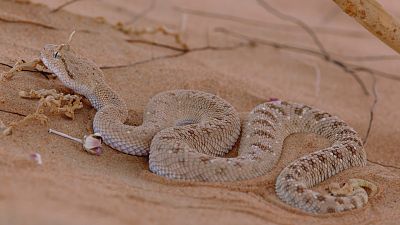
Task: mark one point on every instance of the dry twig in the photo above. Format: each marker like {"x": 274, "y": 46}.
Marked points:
{"x": 181, "y": 52}
{"x": 263, "y": 24}
{"x": 54, "y": 101}
{"x": 152, "y": 30}
{"x": 63, "y": 5}
{"x": 49, "y": 99}
{"x": 4, "y": 18}
{"x": 375, "y": 19}
{"x": 372, "y": 108}
{"x": 296, "y": 21}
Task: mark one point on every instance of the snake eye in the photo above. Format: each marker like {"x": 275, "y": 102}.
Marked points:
{"x": 56, "y": 55}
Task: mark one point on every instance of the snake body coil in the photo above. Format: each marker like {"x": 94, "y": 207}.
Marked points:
{"x": 186, "y": 132}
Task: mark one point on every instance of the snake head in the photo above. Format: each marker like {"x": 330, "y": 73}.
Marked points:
{"x": 74, "y": 71}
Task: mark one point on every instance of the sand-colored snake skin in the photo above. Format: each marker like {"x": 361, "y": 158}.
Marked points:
{"x": 186, "y": 132}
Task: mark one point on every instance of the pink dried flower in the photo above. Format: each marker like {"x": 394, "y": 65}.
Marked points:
{"x": 36, "y": 157}
{"x": 92, "y": 143}
{"x": 273, "y": 99}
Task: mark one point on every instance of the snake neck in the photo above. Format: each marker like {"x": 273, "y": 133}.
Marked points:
{"x": 102, "y": 96}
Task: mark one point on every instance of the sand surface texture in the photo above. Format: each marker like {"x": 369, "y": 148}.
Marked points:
{"x": 239, "y": 51}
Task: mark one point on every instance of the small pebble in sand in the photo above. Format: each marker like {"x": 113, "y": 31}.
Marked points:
{"x": 36, "y": 157}
{"x": 7, "y": 131}
{"x": 4, "y": 129}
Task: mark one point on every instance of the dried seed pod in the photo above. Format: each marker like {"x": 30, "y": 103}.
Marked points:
{"x": 92, "y": 143}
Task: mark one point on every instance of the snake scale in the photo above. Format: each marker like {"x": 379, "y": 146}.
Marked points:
{"x": 186, "y": 133}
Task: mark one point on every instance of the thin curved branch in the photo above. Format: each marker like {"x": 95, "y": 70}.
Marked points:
{"x": 296, "y": 21}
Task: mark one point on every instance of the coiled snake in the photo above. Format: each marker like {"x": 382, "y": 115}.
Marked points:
{"x": 186, "y": 132}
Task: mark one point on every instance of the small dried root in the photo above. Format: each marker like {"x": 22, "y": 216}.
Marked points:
{"x": 22, "y": 65}
{"x": 54, "y": 101}
{"x": 49, "y": 99}
{"x": 152, "y": 30}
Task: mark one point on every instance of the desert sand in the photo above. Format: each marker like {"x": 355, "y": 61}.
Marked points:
{"x": 237, "y": 50}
